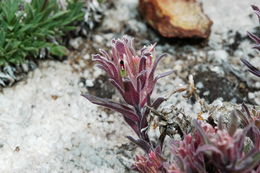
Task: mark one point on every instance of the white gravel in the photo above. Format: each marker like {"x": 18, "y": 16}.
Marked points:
{"x": 46, "y": 126}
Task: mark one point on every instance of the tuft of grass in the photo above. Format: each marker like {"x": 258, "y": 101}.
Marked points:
{"x": 28, "y": 27}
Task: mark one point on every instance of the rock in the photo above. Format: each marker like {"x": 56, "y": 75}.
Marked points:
{"x": 176, "y": 18}
{"x": 218, "y": 56}
{"x": 75, "y": 43}
{"x": 217, "y": 86}
{"x": 255, "y": 97}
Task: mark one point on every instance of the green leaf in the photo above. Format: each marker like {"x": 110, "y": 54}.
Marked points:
{"x": 58, "y": 50}
{"x": 24, "y": 35}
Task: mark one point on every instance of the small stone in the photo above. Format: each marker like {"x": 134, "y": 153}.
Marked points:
{"x": 176, "y": 18}
{"x": 255, "y": 97}
{"x": 89, "y": 83}
{"x": 81, "y": 84}
{"x": 251, "y": 96}
{"x": 199, "y": 85}
{"x": 25, "y": 67}
{"x": 239, "y": 53}
{"x": 206, "y": 93}
{"x": 218, "y": 103}
{"x": 98, "y": 39}
{"x": 218, "y": 56}
{"x": 257, "y": 84}
{"x": 17, "y": 149}
{"x": 86, "y": 57}
{"x": 75, "y": 43}
{"x": 205, "y": 116}
{"x": 218, "y": 70}
{"x": 221, "y": 55}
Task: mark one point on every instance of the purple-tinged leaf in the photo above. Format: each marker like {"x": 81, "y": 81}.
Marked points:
{"x": 249, "y": 163}
{"x": 220, "y": 123}
{"x": 144, "y": 128}
{"x": 158, "y": 102}
{"x": 238, "y": 147}
{"x": 243, "y": 117}
{"x": 199, "y": 168}
{"x": 131, "y": 96}
{"x": 115, "y": 70}
{"x": 254, "y": 37}
{"x": 126, "y": 111}
{"x": 233, "y": 125}
{"x": 120, "y": 47}
{"x": 144, "y": 122}
{"x": 141, "y": 143}
{"x": 255, "y": 72}
{"x": 157, "y": 60}
{"x": 142, "y": 64}
{"x": 250, "y": 66}
{"x": 254, "y": 7}
{"x": 111, "y": 67}
{"x": 257, "y": 169}
{"x": 209, "y": 148}
{"x": 254, "y": 134}
{"x": 164, "y": 74}
{"x": 118, "y": 87}
{"x": 115, "y": 55}
{"x": 141, "y": 80}
{"x": 257, "y": 11}
{"x": 252, "y": 69}
{"x": 133, "y": 125}
{"x": 105, "y": 54}
{"x": 256, "y": 46}
{"x": 105, "y": 68}
{"x": 158, "y": 150}
{"x": 245, "y": 108}
{"x": 180, "y": 162}
{"x": 201, "y": 132}
{"x": 130, "y": 56}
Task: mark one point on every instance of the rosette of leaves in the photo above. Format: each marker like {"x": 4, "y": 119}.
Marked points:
{"x": 209, "y": 150}
{"x": 26, "y": 28}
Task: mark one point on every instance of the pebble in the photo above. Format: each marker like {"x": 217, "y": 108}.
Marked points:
{"x": 98, "y": 39}
{"x": 86, "y": 57}
{"x": 89, "y": 83}
{"x": 218, "y": 56}
{"x": 75, "y": 43}
{"x": 199, "y": 85}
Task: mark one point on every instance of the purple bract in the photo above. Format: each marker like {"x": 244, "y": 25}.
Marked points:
{"x": 133, "y": 75}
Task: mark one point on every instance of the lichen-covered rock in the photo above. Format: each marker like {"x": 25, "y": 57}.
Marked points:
{"x": 176, "y": 18}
